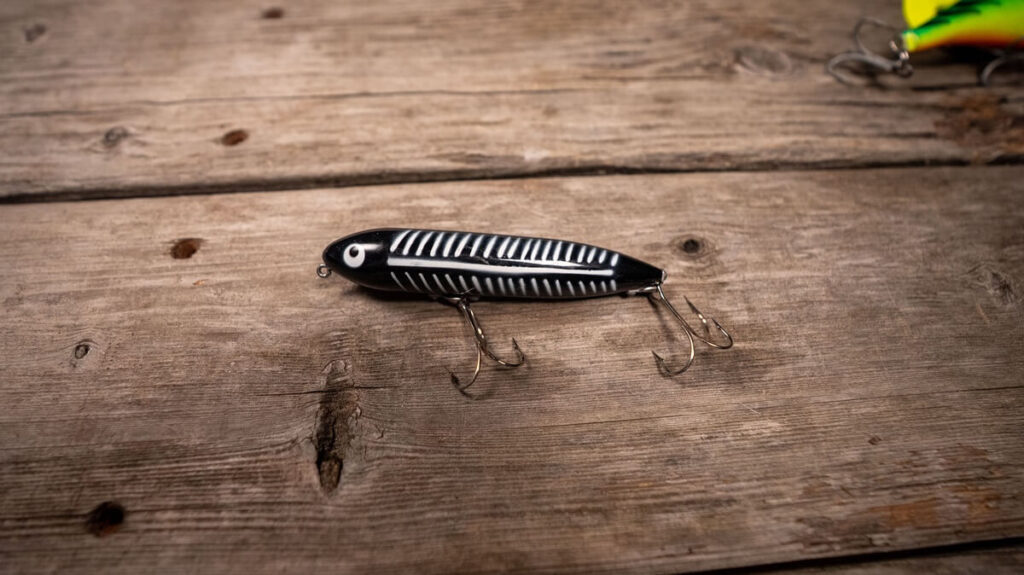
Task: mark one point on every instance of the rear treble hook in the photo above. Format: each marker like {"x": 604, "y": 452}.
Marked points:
{"x": 899, "y": 65}
{"x": 656, "y": 295}
{"x": 1013, "y": 53}
{"x": 482, "y": 347}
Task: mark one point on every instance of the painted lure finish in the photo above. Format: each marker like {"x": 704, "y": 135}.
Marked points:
{"x": 982, "y": 23}
{"x": 465, "y": 264}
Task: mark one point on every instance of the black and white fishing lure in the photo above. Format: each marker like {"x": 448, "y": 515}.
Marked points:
{"x": 457, "y": 267}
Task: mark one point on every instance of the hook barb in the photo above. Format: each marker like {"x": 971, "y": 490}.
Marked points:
{"x": 482, "y": 347}
{"x": 657, "y": 295}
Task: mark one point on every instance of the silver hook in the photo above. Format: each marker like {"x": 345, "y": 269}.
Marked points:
{"x": 323, "y": 271}
{"x": 900, "y": 65}
{"x": 482, "y": 347}
{"x": 657, "y": 295}
{"x": 1012, "y": 54}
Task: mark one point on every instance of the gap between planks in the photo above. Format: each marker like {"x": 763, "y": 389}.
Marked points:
{"x": 483, "y": 175}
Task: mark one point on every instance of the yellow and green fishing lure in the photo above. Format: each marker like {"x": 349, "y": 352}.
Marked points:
{"x": 983, "y": 23}
{"x": 996, "y": 24}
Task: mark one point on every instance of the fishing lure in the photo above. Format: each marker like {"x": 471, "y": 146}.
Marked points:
{"x": 996, "y": 24}
{"x": 456, "y": 267}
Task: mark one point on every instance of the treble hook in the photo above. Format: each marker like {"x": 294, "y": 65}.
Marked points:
{"x": 656, "y": 295}
{"x": 1012, "y": 53}
{"x": 482, "y": 347}
{"x": 900, "y": 65}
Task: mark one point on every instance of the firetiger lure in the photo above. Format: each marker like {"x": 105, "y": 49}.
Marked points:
{"x": 456, "y": 267}
{"x": 994, "y": 24}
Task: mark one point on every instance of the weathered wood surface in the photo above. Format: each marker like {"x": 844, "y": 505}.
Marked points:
{"x": 873, "y": 401}
{"x": 117, "y": 98}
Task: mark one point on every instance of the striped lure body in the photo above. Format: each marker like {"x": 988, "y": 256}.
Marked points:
{"x": 465, "y": 264}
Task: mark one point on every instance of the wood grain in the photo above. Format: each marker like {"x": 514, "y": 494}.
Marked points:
{"x": 117, "y": 98}
{"x": 873, "y": 401}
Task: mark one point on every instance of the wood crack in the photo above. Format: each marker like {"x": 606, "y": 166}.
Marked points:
{"x": 333, "y": 432}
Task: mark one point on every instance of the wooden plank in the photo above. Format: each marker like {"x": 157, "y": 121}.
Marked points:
{"x": 116, "y": 98}
{"x": 873, "y": 401}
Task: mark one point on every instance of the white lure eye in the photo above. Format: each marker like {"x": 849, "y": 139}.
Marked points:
{"x": 354, "y": 256}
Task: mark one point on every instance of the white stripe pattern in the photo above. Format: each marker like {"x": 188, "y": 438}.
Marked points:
{"x": 423, "y": 243}
{"x": 398, "y": 239}
{"x": 462, "y": 245}
{"x": 394, "y": 277}
{"x": 448, "y": 245}
{"x": 490, "y": 244}
{"x": 501, "y": 249}
{"x": 512, "y": 249}
{"x": 408, "y": 244}
{"x": 460, "y": 263}
{"x": 506, "y": 270}
{"x": 437, "y": 242}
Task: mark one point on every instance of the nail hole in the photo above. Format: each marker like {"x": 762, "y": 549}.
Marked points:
{"x": 105, "y": 519}
{"x": 185, "y": 248}
{"x": 691, "y": 246}
{"x": 114, "y": 136}
{"x": 82, "y": 350}
{"x": 234, "y": 137}
{"x": 875, "y": 440}
{"x": 273, "y": 13}
{"x": 33, "y": 32}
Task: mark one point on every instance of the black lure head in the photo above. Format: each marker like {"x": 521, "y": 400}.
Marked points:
{"x": 361, "y": 258}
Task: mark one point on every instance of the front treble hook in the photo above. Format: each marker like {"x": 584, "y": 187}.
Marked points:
{"x": 482, "y": 347}
{"x": 899, "y": 64}
{"x": 656, "y": 295}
